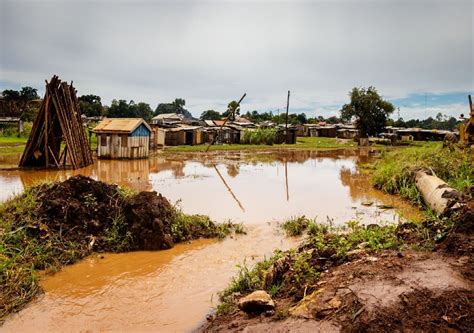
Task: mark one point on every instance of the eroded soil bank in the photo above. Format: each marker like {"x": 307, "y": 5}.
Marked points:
{"x": 378, "y": 283}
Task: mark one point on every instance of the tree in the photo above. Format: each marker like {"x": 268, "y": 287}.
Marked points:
{"x": 233, "y": 107}
{"x": 302, "y": 118}
{"x": 177, "y": 106}
{"x": 143, "y": 110}
{"x": 19, "y": 102}
{"x": 122, "y": 109}
{"x": 91, "y": 105}
{"x": 369, "y": 110}
{"x": 118, "y": 109}
{"x": 11, "y": 95}
{"x": 29, "y": 94}
{"x": 179, "y": 103}
{"x": 25, "y": 94}
{"x": 210, "y": 115}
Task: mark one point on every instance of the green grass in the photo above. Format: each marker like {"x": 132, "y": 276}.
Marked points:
{"x": 323, "y": 247}
{"x": 303, "y": 143}
{"x": 12, "y": 140}
{"x": 295, "y": 226}
{"x": 11, "y": 145}
{"x": 394, "y": 173}
{"x": 187, "y": 227}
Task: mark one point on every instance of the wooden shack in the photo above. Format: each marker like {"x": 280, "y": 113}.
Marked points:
{"x": 123, "y": 138}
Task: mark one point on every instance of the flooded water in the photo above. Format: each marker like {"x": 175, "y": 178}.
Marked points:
{"x": 173, "y": 290}
{"x": 244, "y": 187}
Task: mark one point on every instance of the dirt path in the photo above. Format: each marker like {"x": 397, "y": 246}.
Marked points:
{"x": 393, "y": 291}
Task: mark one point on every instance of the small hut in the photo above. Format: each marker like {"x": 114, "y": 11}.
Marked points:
{"x": 123, "y": 138}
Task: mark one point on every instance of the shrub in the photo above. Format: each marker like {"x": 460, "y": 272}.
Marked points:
{"x": 259, "y": 136}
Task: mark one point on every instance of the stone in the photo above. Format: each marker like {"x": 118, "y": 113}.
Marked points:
{"x": 335, "y": 303}
{"x": 257, "y": 302}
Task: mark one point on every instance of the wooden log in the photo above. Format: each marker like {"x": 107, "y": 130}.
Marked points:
{"x": 438, "y": 195}
{"x": 59, "y": 119}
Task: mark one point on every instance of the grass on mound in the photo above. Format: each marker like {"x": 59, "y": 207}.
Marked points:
{"x": 323, "y": 247}
{"x": 394, "y": 173}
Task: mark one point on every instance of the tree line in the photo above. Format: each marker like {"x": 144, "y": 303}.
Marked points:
{"x": 367, "y": 109}
{"x": 17, "y": 103}
{"x": 91, "y": 106}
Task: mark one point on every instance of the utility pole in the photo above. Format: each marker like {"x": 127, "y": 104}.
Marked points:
{"x": 286, "y": 121}
{"x": 225, "y": 121}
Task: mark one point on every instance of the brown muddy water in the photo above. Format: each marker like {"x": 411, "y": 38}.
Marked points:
{"x": 173, "y": 290}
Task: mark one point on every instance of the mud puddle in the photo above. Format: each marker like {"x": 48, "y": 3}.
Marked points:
{"x": 165, "y": 291}
{"x": 173, "y": 290}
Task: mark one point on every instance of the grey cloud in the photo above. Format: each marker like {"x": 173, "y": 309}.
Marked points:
{"x": 212, "y": 52}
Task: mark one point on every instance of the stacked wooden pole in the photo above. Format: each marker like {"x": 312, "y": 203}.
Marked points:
{"x": 58, "y": 120}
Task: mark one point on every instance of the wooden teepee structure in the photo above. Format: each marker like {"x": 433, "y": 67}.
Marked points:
{"x": 58, "y": 120}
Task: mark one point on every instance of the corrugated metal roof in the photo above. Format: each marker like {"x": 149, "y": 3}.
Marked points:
{"x": 174, "y": 116}
{"x": 119, "y": 125}
{"x": 219, "y": 122}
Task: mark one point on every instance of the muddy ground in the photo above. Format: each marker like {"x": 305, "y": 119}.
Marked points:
{"x": 390, "y": 291}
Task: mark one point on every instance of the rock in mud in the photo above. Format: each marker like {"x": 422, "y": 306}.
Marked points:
{"x": 257, "y": 302}
{"x": 316, "y": 305}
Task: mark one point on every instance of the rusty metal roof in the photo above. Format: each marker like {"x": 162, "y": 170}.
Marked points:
{"x": 119, "y": 125}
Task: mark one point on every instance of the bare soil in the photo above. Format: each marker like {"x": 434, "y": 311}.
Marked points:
{"x": 409, "y": 291}
{"x": 81, "y": 208}
{"x": 390, "y": 292}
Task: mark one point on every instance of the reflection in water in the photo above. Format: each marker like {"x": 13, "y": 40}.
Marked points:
{"x": 322, "y": 183}
{"x": 286, "y": 182}
{"x": 229, "y": 189}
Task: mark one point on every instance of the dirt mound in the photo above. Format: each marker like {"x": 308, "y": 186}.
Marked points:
{"x": 149, "y": 217}
{"x": 98, "y": 216}
{"x": 79, "y": 207}
{"x": 464, "y": 218}
{"x": 422, "y": 311}
{"x": 389, "y": 292}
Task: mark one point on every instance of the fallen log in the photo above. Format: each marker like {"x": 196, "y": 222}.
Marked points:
{"x": 437, "y": 194}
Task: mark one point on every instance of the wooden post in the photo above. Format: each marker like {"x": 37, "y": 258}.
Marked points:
{"x": 225, "y": 121}
{"x": 286, "y": 120}
{"x": 46, "y": 124}
{"x": 471, "y": 110}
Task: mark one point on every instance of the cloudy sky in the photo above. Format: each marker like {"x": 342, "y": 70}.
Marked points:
{"x": 418, "y": 54}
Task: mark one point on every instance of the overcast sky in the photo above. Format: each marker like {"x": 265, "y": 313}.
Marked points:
{"x": 418, "y": 54}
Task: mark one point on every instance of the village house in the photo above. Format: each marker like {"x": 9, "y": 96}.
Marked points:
{"x": 418, "y": 134}
{"x": 167, "y": 119}
{"x": 123, "y": 138}
{"x": 320, "y": 130}
{"x": 347, "y": 133}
